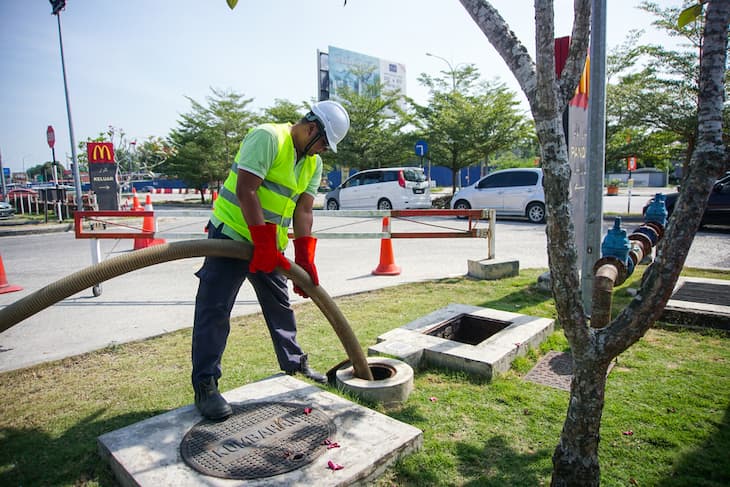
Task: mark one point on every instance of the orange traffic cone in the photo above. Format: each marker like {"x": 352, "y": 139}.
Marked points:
{"x": 135, "y": 201}
{"x": 4, "y": 286}
{"x": 387, "y": 266}
{"x": 148, "y": 225}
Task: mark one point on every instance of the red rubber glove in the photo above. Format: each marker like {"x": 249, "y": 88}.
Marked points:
{"x": 304, "y": 256}
{"x": 266, "y": 255}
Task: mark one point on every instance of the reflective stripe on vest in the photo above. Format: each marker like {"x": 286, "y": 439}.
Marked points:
{"x": 278, "y": 193}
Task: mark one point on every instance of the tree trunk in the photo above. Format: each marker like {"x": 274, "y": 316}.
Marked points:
{"x": 575, "y": 460}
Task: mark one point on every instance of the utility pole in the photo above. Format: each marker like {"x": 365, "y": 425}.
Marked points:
{"x": 596, "y": 151}
{"x": 57, "y": 6}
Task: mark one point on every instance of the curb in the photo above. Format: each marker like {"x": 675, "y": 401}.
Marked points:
{"x": 34, "y": 229}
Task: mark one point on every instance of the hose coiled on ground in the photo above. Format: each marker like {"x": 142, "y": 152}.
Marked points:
{"x": 157, "y": 254}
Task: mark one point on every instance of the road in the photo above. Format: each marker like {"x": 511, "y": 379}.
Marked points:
{"x": 160, "y": 299}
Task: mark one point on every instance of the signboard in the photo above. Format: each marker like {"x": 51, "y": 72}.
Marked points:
{"x": 103, "y": 174}
{"x": 576, "y": 131}
{"x": 360, "y": 73}
{"x": 100, "y": 152}
{"x": 50, "y": 136}
{"x": 421, "y": 148}
{"x": 6, "y": 172}
{"x": 631, "y": 163}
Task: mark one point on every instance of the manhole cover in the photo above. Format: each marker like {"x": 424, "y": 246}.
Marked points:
{"x": 260, "y": 439}
{"x": 555, "y": 369}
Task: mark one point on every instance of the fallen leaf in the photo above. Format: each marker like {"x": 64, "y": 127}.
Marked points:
{"x": 330, "y": 444}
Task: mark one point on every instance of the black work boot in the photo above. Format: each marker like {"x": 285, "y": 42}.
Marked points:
{"x": 209, "y": 401}
{"x": 309, "y": 372}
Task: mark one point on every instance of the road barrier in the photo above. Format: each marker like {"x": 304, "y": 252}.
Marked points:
{"x": 116, "y": 225}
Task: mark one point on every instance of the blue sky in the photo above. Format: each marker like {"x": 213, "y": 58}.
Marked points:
{"x": 131, "y": 63}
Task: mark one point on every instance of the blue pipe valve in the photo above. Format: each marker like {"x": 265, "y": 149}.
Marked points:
{"x": 616, "y": 243}
{"x": 657, "y": 210}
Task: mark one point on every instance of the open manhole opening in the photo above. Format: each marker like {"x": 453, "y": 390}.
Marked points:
{"x": 469, "y": 329}
{"x": 381, "y": 371}
{"x": 260, "y": 439}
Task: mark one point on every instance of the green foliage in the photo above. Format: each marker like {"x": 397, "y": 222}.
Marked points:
{"x": 284, "y": 111}
{"x": 207, "y": 139}
{"x": 467, "y": 122}
{"x": 651, "y": 100}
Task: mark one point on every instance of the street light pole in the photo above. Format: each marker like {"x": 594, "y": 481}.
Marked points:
{"x": 59, "y": 5}
{"x": 451, "y": 70}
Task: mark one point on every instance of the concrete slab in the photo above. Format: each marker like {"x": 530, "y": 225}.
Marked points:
{"x": 492, "y": 269}
{"x": 699, "y": 302}
{"x": 494, "y": 355}
{"x": 148, "y": 453}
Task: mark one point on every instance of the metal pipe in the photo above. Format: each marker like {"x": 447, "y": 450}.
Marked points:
{"x": 93, "y": 275}
{"x": 603, "y": 282}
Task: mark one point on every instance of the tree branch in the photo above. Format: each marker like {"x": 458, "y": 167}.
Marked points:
{"x": 506, "y": 43}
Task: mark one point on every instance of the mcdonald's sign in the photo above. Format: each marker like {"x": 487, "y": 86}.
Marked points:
{"x": 100, "y": 152}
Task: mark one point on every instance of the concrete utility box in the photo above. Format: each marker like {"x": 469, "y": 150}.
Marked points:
{"x": 476, "y": 340}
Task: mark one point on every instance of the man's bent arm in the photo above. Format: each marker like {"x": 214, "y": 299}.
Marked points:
{"x": 303, "y": 217}
{"x": 246, "y": 188}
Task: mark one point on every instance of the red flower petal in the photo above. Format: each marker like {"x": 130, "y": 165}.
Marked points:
{"x": 334, "y": 466}
{"x": 627, "y": 433}
{"x": 307, "y": 410}
{"x": 433, "y": 399}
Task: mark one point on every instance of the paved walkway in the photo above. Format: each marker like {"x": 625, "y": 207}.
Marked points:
{"x": 160, "y": 299}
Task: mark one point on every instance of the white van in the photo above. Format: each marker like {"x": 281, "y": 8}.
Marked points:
{"x": 390, "y": 188}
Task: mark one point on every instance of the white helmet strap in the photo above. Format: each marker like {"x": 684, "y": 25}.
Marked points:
{"x": 311, "y": 117}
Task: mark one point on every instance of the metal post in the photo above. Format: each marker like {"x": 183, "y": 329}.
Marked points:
{"x": 2, "y": 180}
{"x": 74, "y": 160}
{"x": 596, "y": 150}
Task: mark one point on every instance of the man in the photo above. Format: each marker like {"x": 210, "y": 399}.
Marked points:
{"x": 272, "y": 183}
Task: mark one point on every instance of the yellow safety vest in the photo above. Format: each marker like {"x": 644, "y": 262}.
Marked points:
{"x": 278, "y": 194}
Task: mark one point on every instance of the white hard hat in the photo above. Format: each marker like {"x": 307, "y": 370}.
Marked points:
{"x": 334, "y": 119}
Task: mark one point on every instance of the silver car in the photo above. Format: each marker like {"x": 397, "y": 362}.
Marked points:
{"x": 6, "y": 210}
{"x": 512, "y": 192}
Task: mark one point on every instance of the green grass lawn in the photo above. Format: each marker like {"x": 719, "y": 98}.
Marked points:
{"x": 665, "y": 422}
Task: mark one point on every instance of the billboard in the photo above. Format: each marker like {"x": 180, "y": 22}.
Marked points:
{"x": 340, "y": 69}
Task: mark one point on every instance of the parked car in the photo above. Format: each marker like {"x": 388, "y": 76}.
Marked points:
{"x": 390, "y": 188}
{"x": 511, "y": 192}
{"x": 717, "y": 211}
{"x": 6, "y": 210}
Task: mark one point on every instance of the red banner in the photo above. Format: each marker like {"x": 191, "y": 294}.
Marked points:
{"x": 100, "y": 152}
